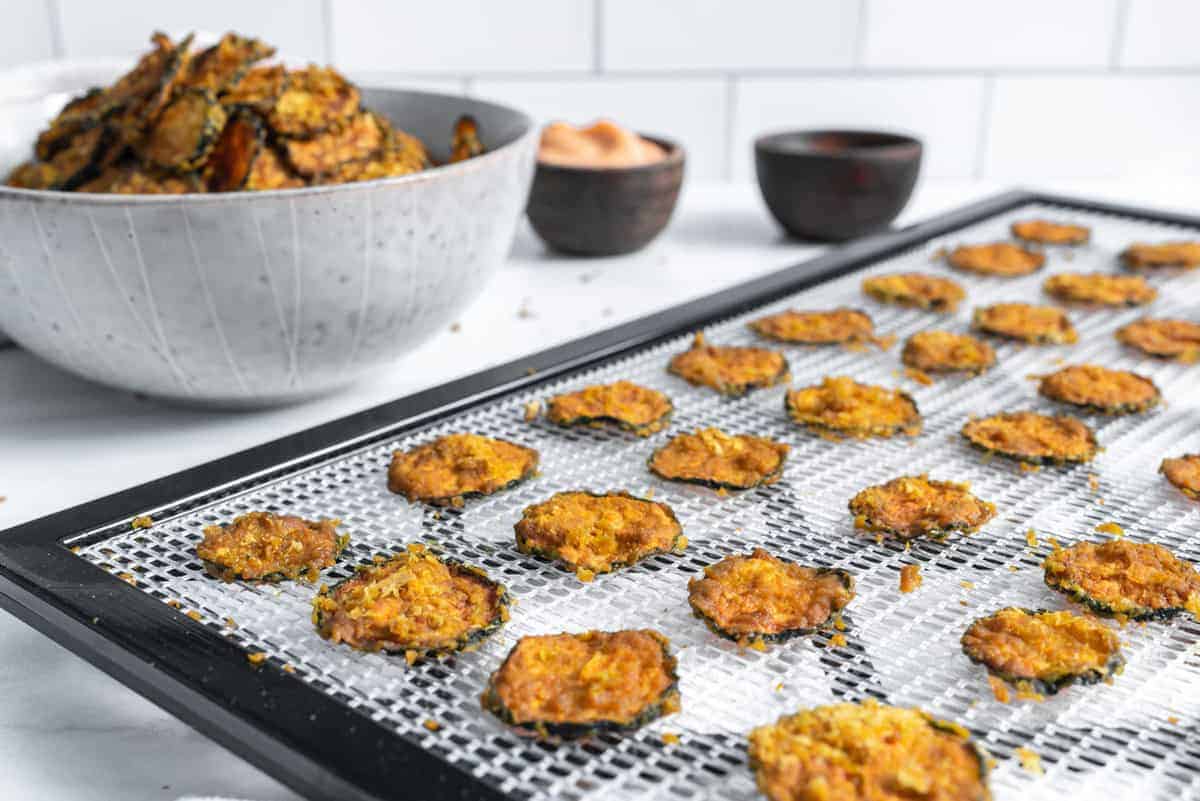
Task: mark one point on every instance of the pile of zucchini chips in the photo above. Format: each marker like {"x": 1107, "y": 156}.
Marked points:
{"x": 421, "y": 604}
{"x": 223, "y": 119}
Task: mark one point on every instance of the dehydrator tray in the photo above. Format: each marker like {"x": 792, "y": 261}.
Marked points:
{"x": 337, "y": 724}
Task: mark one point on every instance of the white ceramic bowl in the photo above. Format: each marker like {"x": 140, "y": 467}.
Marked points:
{"x": 259, "y": 298}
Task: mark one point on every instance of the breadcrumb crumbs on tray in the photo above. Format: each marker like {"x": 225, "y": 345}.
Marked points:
{"x": 920, "y": 376}
{"x": 670, "y": 738}
{"x": 585, "y": 575}
{"x": 838, "y": 641}
{"x": 910, "y": 578}
{"x": 142, "y": 521}
{"x": 288, "y": 667}
{"x": 779, "y": 689}
{"x": 231, "y": 623}
{"x": 1111, "y": 528}
{"x": 1094, "y": 482}
{"x": 967, "y": 585}
{"x": 1031, "y": 538}
{"x": 194, "y": 615}
{"x": 1172, "y": 719}
{"x": 256, "y": 657}
{"x": 431, "y": 724}
{"x": 999, "y": 689}
{"x": 174, "y": 604}
{"x": 75, "y": 549}
{"x": 1026, "y": 467}
{"x": 1030, "y": 760}
{"x": 532, "y": 410}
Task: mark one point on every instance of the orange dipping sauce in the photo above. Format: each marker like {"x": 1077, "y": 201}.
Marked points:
{"x": 603, "y": 144}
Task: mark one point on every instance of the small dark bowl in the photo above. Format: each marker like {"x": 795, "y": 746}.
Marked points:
{"x": 605, "y": 211}
{"x": 836, "y": 185}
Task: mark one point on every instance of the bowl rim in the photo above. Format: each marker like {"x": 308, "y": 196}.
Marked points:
{"x": 902, "y": 142}
{"x": 203, "y": 198}
{"x": 676, "y": 154}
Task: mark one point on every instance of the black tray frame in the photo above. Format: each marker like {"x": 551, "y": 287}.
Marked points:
{"x": 320, "y": 747}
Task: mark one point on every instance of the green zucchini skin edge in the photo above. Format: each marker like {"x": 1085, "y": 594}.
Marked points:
{"x": 981, "y": 755}
{"x": 782, "y": 341}
{"x": 653, "y": 427}
{"x": 1140, "y": 613}
{"x": 462, "y": 497}
{"x": 766, "y": 480}
{"x": 857, "y": 432}
{"x": 936, "y": 534}
{"x": 1052, "y": 684}
{"x": 1056, "y": 461}
{"x": 936, "y": 305}
{"x": 224, "y": 573}
{"x": 464, "y": 643}
{"x": 551, "y": 556}
{"x": 215, "y": 118}
{"x": 490, "y": 701}
{"x": 847, "y": 579}
{"x": 1113, "y": 411}
{"x": 741, "y": 390}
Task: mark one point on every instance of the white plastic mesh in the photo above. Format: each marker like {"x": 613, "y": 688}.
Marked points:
{"x": 1135, "y": 737}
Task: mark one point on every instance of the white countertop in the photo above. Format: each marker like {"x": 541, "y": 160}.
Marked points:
{"x": 67, "y": 731}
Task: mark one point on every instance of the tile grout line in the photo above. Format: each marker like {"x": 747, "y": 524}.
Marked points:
{"x": 58, "y": 44}
{"x": 598, "y": 36}
{"x": 1120, "y": 26}
{"x": 327, "y": 29}
{"x": 860, "y": 35}
{"x": 983, "y": 138}
{"x": 731, "y": 93}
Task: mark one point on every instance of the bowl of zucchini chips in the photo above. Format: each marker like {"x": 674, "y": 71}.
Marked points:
{"x": 218, "y": 227}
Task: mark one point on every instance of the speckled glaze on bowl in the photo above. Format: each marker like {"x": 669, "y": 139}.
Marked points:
{"x": 260, "y": 298}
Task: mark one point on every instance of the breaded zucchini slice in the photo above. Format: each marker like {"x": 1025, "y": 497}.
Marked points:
{"x": 259, "y": 89}
{"x": 415, "y": 603}
{"x": 996, "y": 258}
{"x": 917, "y": 290}
{"x": 1100, "y": 289}
{"x": 232, "y": 160}
{"x": 78, "y": 162}
{"x": 140, "y": 94}
{"x": 946, "y": 352}
{"x": 358, "y": 138}
{"x": 186, "y": 131}
{"x": 729, "y": 370}
{"x": 132, "y": 179}
{"x": 756, "y": 597}
{"x": 866, "y": 752}
{"x": 225, "y": 63}
{"x": 314, "y": 100}
{"x": 592, "y": 533}
{"x": 269, "y": 171}
{"x": 843, "y": 406}
{"x": 1042, "y": 650}
{"x": 573, "y": 685}
{"x": 712, "y": 458}
{"x": 1164, "y": 338}
{"x": 1098, "y": 389}
{"x": 1141, "y": 256}
{"x": 1184, "y": 473}
{"x": 1033, "y": 438}
{"x": 623, "y": 404}
{"x": 464, "y": 139}
{"x": 1126, "y": 579}
{"x": 1038, "y": 325}
{"x": 915, "y": 506}
{"x": 458, "y": 466}
{"x": 263, "y": 546}
{"x": 837, "y": 326}
{"x": 78, "y": 115}
{"x": 1045, "y": 232}
{"x": 32, "y": 175}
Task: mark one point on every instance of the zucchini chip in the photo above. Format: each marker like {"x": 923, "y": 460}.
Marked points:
{"x": 1044, "y": 232}
{"x": 712, "y": 458}
{"x": 259, "y": 89}
{"x": 917, "y": 290}
{"x": 1125, "y": 579}
{"x": 729, "y": 370}
{"x": 593, "y": 533}
{"x": 270, "y": 172}
{"x": 134, "y": 180}
{"x": 866, "y": 752}
{"x": 315, "y": 100}
{"x": 1164, "y": 255}
{"x": 401, "y": 154}
{"x": 142, "y": 93}
{"x": 1184, "y": 473}
{"x": 842, "y": 406}
{"x": 186, "y": 131}
{"x": 1037, "y": 325}
{"x": 457, "y": 466}
{"x": 415, "y": 603}
{"x": 357, "y": 139}
{"x": 1043, "y": 651}
{"x": 1164, "y": 338}
{"x": 626, "y": 405}
{"x": 1033, "y": 438}
{"x": 833, "y": 327}
{"x": 465, "y": 143}
{"x": 946, "y": 352}
{"x": 233, "y": 156}
{"x": 914, "y": 506}
{"x": 997, "y": 258}
{"x": 757, "y": 598}
{"x": 1100, "y": 289}
{"x": 574, "y": 685}
{"x": 1097, "y": 389}
{"x": 84, "y": 158}
{"x": 226, "y": 63}
{"x": 80, "y": 114}
{"x": 32, "y": 175}
{"x": 262, "y": 546}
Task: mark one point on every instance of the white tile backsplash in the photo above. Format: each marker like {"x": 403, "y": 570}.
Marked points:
{"x": 1161, "y": 33}
{"x": 719, "y": 35}
{"x": 944, "y": 112}
{"x": 684, "y": 110}
{"x": 920, "y": 34}
{"x": 122, "y": 27}
{"x": 1095, "y": 126}
{"x": 1021, "y": 89}
{"x": 464, "y": 36}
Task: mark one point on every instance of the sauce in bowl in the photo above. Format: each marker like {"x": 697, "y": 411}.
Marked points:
{"x": 604, "y": 144}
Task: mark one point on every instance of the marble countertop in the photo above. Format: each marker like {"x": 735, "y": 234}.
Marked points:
{"x": 67, "y": 731}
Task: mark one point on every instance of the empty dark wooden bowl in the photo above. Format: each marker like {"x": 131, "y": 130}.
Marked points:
{"x": 836, "y": 185}
{"x": 605, "y": 211}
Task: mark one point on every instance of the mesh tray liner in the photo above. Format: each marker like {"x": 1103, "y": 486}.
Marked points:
{"x": 1136, "y": 736}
